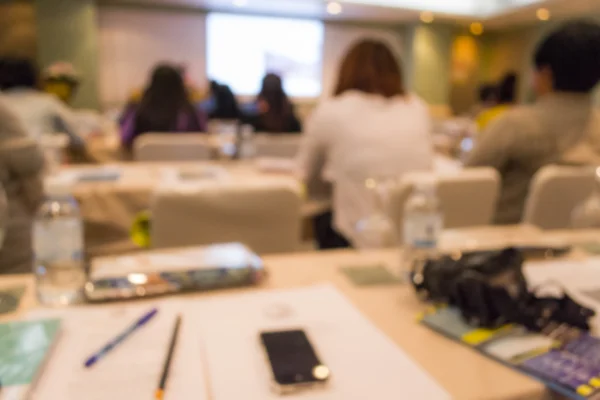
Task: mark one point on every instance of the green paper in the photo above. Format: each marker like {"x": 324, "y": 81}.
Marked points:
{"x": 370, "y": 275}
{"x": 23, "y": 348}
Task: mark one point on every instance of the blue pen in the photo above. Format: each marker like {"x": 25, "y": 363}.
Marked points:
{"x": 116, "y": 341}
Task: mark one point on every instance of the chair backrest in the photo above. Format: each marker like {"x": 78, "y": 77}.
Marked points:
{"x": 280, "y": 146}
{"x": 554, "y": 192}
{"x": 172, "y": 147}
{"x": 467, "y": 197}
{"x": 264, "y": 215}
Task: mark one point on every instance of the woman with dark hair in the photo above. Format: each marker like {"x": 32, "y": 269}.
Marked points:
{"x": 275, "y": 111}
{"x": 164, "y": 107}
{"x": 371, "y": 128}
{"x": 505, "y": 97}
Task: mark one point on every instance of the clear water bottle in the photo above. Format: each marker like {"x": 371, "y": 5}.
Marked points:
{"x": 587, "y": 214}
{"x": 246, "y": 148}
{"x": 423, "y": 224}
{"x": 59, "y": 267}
{"x": 376, "y": 231}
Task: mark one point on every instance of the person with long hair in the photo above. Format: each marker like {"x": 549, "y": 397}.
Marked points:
{"x": 164, "y": 107}
{"x": 275, "y": 110}
{"x": 371, "y": 128}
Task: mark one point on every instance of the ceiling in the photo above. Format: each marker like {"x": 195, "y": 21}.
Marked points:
{"x": 496, "y": 14}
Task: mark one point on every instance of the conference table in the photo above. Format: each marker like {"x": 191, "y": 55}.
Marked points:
{"x": 112, "y": 195}
{"x": 393, "y": 308}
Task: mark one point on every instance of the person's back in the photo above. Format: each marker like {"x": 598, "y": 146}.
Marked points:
{"x": 165, "y": 107}
{"x": 371, "y": 128}
{"x": 21, "y": 164}
{"x": 563, "y": 126}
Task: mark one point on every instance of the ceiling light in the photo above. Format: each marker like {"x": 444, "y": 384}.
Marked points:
{"x": 426, "y": 17}
{"x": 240, "y": 3}
{"x": 334, "y": 8}
{"x": 543, "y": 14}
{"x": 476, "y": 28}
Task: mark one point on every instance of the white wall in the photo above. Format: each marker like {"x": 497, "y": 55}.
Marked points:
{"x": 133, "y": 40}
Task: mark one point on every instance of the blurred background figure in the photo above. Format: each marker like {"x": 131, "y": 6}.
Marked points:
{"x": 488, "y": 98}
{"x": 21, "y": 166}
{"x": 505, "y": 98}
{"x": 221, "y": 102}
{"x": 164, "y": 107}
{"x": 371, "y": 128}
{"x": 61, "y": 79}
{"x": 40, "y": 113}
{"x": 274, "y": 112}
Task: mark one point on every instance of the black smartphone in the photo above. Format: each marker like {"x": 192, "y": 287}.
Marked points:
{"x": 293, "y": 361}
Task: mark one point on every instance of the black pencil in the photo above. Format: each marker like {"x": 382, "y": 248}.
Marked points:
{"x": 160, "y": 391}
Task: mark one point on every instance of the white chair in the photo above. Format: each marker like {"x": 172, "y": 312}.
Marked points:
{"x": 554, "y": 192}
{"x": 467, "y": 197}
{"x": 264, "y": 214}
{"x": 172, "y": 147}
{"x": 280, "y": 146}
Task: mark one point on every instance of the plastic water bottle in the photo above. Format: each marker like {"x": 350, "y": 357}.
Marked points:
{"x": 376, "y": 231}
{"x": 246, "y": 148}
{"x": 59, "y": 267}
{"x": 423, "y": 224}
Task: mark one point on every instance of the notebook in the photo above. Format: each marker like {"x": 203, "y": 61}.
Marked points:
{"x": 24, "y": 346}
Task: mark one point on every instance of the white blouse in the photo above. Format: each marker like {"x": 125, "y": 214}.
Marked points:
{"x": 356, "y": 136}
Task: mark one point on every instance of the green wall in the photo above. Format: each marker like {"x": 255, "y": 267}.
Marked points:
{"x": 428, "y": 50}
{"x": 67, "y": 31}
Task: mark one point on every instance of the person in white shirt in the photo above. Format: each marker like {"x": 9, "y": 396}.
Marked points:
{"x": 370, "y": 128}
{"x": 40, "y": 113}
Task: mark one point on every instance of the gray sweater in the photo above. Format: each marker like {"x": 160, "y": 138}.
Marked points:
{"x": 561, "y": 128}
{"x": 21, "y": 165}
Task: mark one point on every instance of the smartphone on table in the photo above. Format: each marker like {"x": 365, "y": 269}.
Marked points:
{"x": 293, "y": 361}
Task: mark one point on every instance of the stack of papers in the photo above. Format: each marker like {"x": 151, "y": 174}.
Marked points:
{"x": 218, "y": 355}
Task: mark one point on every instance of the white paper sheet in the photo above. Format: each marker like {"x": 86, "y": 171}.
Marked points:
{"x": 132, "y": 370}
{"x": 364, "y": 363}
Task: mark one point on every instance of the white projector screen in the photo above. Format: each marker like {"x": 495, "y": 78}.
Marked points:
{"x": 241, "y": 49}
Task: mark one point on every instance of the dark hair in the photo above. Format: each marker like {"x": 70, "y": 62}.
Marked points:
{"x": 280, "y": 110}
{"x": 18, "y": 73}
{"x": 572, "y": 53}
{"x": 163, "y": 101}
{"x": 226, "y": 105}
{"x": 370, "y": 67}
{"x": 507, "y": 89}
{"x": 487, "y": 92}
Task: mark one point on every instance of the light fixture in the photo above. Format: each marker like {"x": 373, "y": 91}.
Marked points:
{"x": 334, "y": 8}
{"x": 426, "y": 17}
{"x": 240, "y": 3}
{"x": 543, "y": 14}
{"x": 476, "y": 28}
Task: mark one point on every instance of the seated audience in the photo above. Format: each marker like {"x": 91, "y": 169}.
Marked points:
{"x": 164, "y": 107}
{"x": 221, "y": 104}
{"x": 21, "y": 165}
{"x": 488, "y": 98}
{"x": 41, "y": 113}
{"x": 563, "y": 126}
{"x": 371, "y": 128}
{"x": 505, "y": 97}
{"x": 274, "y": 111}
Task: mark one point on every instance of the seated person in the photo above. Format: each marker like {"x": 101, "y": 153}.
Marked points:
{"x": 371, "y": 128}
{"x": 487, "y": 99}
{"x": 21, "y": 165}
{"x": 40, "y": 113}
{"x": 274, "y": 112}
{"x": 221, "y": 104}
{"x": 505, "y": 96}
{"x": 562, "y": 126}
{"x": 164, "y": 107}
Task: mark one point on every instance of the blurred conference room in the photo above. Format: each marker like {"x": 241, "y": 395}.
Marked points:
{"x": 328, "y": 199}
